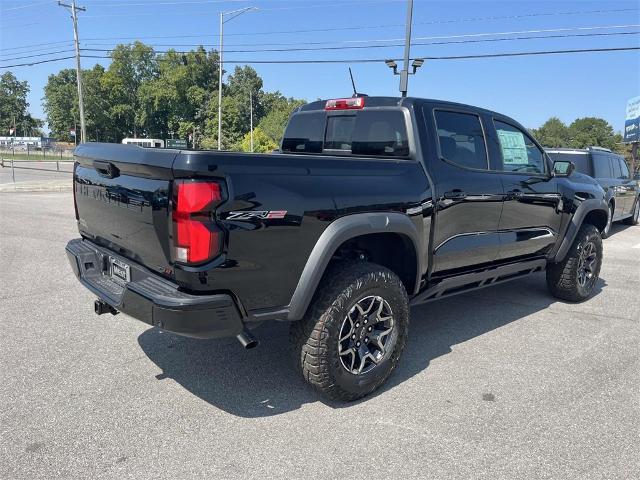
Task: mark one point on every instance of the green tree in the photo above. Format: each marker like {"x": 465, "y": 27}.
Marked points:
{"x": 177, "y": 98}
{"x": 279, "y": 110}
{"x": 60, "y": 103}
{"x": 591, "y": 131}
{"x": 131, "y": 66}
{"x": 262, "y": 143}
{"x": 14, "y": 105}
{"x": 553, "y": 133}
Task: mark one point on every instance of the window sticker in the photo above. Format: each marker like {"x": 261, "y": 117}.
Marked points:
{"x": 514, "y": 149}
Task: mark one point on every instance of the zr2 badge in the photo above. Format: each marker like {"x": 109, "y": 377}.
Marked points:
{"x": 257, "y": 214}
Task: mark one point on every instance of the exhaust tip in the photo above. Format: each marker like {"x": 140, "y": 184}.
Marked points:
{"x": 247, "y": 340}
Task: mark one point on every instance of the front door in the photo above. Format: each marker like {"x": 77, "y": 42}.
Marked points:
{"x": 469, "y": 197}
{"x": 531, "y": 215}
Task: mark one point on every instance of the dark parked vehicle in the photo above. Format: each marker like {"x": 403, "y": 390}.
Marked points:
{"x": 374, "y": 204}
{"x": 622, "y": 192}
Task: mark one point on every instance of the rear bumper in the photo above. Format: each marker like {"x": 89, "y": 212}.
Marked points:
{"x": 151, "y": 298}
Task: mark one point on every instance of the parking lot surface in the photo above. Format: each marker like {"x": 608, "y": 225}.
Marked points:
{"x": 505, "y": 382}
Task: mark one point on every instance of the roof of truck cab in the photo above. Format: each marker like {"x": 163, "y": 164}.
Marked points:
{"x": 399, "y": 101}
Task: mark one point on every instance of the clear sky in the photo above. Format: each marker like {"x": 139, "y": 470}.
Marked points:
{"x": 531, "y": 89}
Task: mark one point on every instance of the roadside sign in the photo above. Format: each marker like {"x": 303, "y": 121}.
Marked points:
{"x": 176, "y": 143}
{"x": 632, "y": 121}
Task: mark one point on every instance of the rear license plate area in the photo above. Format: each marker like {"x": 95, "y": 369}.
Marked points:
{"x": 119, "y": 271}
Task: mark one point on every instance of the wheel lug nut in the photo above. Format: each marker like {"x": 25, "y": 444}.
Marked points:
{"x": 357, "y": 325}
{"x": 370, "y": 328}
{"x": 365, "y": 321}
{"x": 353, "y": 336}
{"x": 357, "y": 344}
{"x": 366, "y": 339}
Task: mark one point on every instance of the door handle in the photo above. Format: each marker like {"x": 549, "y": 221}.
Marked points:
{"x": 515, "y": 195}
{"x": 455, "y": 194}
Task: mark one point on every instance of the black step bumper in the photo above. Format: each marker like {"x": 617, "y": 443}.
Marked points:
{"x": 151, "y": 298}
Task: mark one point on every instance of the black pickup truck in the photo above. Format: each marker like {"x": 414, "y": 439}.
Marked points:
{"x": 372, "y": 204}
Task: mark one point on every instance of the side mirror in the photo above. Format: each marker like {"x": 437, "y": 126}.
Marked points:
{"x": 563, "y": 168}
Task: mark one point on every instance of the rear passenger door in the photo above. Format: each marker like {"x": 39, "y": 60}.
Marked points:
{"x": 627, "y": 186}
{"x": 616, "y": 184}
{"x": 531, "y": 216}
{"x": 468, "y": 196}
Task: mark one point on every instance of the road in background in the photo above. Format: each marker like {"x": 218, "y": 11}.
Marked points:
{"x": 505, "y": 382}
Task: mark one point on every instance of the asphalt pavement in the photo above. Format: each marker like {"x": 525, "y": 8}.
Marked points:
{"x": 503, "y": 383}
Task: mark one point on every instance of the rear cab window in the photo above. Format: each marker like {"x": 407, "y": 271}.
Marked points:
{"x": 375, "y": 133}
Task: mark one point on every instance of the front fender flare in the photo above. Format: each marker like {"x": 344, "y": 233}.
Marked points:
{"x": 581, "y": 212}
{"x": 336, "y": 234}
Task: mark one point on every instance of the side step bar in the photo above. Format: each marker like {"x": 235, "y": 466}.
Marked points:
{"x": 476, "y": 280}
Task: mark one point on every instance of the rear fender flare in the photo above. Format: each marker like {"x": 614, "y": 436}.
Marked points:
{"x": 336, "y": 234}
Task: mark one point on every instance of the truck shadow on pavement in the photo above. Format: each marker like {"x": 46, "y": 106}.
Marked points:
{"x": 262, "y": 382}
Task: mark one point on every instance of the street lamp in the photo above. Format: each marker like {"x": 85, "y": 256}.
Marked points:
{"x": 234, "y": 14}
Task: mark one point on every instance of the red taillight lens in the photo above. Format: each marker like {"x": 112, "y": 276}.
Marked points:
{"x": 345, "y": 104}
{"x": 196, "y": 237}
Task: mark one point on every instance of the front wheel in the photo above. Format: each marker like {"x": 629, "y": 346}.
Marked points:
{"x": 575, "y": 277}
{"x": 354, "y": 332}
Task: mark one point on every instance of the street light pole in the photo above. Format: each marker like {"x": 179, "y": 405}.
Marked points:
{"x": 74, "y": 16}
{"x": 404, "y": 74}
{"x": 235, "y": 13}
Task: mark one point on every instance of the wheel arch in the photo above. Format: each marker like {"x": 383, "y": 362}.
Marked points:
{"x": 372, "y": 233}
{"x": 592, "y": 211}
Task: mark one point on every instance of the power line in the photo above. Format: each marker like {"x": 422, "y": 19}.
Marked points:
{"x": 369, "y": 41}
{"x": 391, "y": 45}
{"x": 374, "y": 60}
{"x": 454, "y": 42}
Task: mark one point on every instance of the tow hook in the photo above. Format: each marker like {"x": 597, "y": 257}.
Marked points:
{"x": 247, "y": 340}
{"x": 101, "y": 308}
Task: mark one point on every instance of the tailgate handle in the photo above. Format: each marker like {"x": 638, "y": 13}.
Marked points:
{"x": 106, "y": 169}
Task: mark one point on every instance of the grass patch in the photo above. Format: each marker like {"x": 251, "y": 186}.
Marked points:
{"x": 37, "y": 157}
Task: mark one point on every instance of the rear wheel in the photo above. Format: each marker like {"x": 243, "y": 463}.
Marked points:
{"x": 575, "y": 277}
{"x": 633, "y": 219}
{"x": 354, "y": 332}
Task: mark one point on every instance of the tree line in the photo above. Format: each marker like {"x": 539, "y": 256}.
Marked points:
{"x": 143, "y": 93}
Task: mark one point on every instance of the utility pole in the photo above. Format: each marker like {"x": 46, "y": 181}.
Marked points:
{"x": 417, "y": 62}
{"x": 251, "y": 117}
{"x": 74, "y": 16}
{"x": 404, "y": 74}
{"x": 234, "y": 14}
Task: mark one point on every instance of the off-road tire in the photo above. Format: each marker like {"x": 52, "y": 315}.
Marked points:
{"x": 607, "y": 229}
{"x": 562, "y": 277}
{"x": 315, "y": 339}
{"x": 633, "y": 219}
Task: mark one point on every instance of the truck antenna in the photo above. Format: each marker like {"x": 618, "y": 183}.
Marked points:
{"x": 355, "y": 92}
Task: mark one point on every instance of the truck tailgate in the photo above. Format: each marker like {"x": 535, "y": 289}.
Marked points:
{"x": 122, "y": 198}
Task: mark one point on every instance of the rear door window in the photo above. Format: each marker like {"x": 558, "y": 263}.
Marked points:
{"x": 461, "y": 139}
{"x": 601, "y": 166}
{"x": 617, "y": 170}
{"x": 623, "y": 168}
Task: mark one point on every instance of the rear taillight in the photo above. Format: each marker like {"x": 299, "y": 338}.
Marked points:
{"x": 196, "y": 236}
{"x": 345, "y": 104}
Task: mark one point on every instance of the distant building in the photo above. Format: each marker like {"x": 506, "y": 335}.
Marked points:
{"x": 37, "y": 142}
